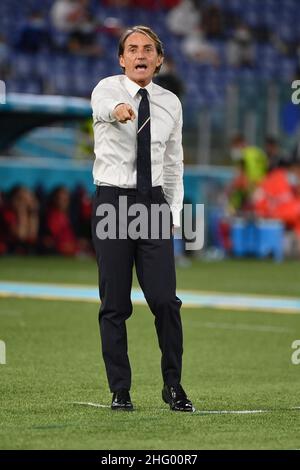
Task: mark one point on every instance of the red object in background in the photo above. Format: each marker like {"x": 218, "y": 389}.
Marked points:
{"x": 155, "y": 4}
{"x": 240, "y": 182}
{"x": 170, "y": 3}
{"x": 7, "y": 221}
{"x": 61, "y": 233}
{"x": 225, "y": 235}
{"x": 10, "y": 222}
{"x": 276, "y": 199}
{"x": 149, "y": 4}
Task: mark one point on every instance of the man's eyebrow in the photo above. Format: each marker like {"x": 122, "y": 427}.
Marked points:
{"x": 145, "y": 45}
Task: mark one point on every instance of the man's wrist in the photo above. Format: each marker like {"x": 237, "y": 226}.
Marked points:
{"x": 176, "y": 217}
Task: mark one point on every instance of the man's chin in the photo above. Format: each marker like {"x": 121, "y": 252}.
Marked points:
{"x": 141, "y": 73}
{"x": 141, "y": 77}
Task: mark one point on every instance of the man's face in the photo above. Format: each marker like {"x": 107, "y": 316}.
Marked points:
{"x": 140, "y": 58}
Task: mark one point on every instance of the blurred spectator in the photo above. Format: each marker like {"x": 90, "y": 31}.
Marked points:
{"x": 34, "y": 35}
{"x": 212, "y": 22}
{"x": 60, "y": 237}
{"x": 39, "y": 223}
{"x": 197, "y": 48}
{"x": 273, "y": 153}
{"x": 4, "y": 58}
{"x": 241, "y": 47}
{"x": 251, "y": 167}
{"x": 112, "y": 26}
{"x": 67, "y": 15}
{"x": 169, "y": 79}
{"x": 19, "y": 221}
{"x": 278, "y": 197}
{"x": 183, "y": 18}
{"x": 83, "y": 41}
{"x": 252, "y": 159}
{"x": 81, "y": 211}
{"x": 239, "y": 191}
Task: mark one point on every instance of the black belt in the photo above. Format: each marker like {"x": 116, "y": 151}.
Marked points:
{"x": 118, "y": 191}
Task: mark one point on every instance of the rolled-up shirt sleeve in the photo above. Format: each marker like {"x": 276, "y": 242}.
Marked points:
{"x": 173, "y": 168}
{"x": 104, "y": 100}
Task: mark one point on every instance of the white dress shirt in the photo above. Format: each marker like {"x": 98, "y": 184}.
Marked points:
{"x": 116, "y": 143}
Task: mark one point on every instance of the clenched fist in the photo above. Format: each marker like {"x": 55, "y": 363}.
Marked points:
{"x": 123, "y": 112}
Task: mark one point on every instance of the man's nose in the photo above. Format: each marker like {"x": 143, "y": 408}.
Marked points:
{"x": 141, "y": 54}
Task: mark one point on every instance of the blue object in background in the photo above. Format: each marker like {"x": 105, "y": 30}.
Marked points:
{"x": 260, "y": 238}
{"x": 290, "y": 118}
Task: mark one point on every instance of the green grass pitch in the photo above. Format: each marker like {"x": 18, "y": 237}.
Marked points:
{"x": 233, "y": 360}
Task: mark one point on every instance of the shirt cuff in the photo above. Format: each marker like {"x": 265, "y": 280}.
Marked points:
{"x": 176, "y": 216}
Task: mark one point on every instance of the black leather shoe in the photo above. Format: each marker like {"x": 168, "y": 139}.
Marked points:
{"x": 176, "y": 397}
{"x": 121, "y": 401}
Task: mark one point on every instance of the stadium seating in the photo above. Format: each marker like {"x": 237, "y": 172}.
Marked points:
{"x": 64, "y": 74}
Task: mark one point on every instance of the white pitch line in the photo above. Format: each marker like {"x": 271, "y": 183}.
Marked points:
{"x": 221, "y": 412}
{"x": 199, "y": 412}
{"x": 96, "y": 405}
{"x": 244, "y": 412}
{"x": 233, "y": 412}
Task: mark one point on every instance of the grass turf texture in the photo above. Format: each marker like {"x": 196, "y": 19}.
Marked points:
{"x": 230, "y": 363}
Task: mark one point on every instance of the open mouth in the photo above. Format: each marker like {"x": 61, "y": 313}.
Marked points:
{"x": 141, "y": 67}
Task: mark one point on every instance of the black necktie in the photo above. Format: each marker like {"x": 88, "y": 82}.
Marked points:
{"x": 143, "y": 164}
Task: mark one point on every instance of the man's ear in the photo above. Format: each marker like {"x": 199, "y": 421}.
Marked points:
{"x": 160, "y": 60}
{"x": 121, "y": 61}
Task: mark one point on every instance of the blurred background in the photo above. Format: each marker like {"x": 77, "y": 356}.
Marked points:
{"x": 231, "y": 62}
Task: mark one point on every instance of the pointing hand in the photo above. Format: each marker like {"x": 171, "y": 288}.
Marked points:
{"x": 123, "y": 112}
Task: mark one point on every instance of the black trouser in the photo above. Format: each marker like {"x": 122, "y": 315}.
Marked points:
{"x": 155, "y": 268}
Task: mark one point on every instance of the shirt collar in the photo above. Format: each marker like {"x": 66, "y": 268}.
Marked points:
{"x": 133, "y": 87}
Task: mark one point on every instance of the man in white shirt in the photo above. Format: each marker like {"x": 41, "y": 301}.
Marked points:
{"x": 138, "y": 148}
